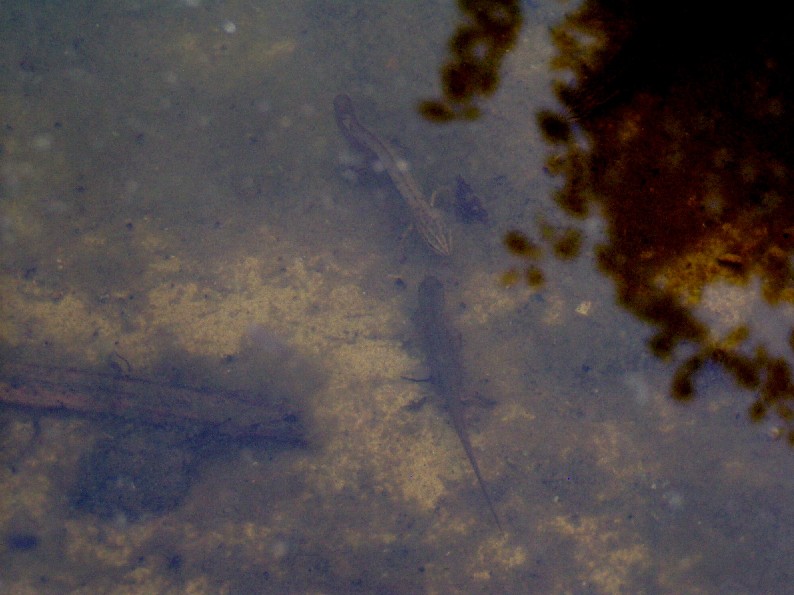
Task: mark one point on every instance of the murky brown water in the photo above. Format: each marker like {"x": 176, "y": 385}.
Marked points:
{"x": 175, "y": 193}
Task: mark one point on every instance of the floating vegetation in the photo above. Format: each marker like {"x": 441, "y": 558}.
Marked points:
{"x": 688, "y": 157}
{"x": 674, "y": 126}
{"x": 488, "y": 31}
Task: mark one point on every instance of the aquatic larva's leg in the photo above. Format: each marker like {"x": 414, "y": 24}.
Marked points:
{"x": 437, "y": 191}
